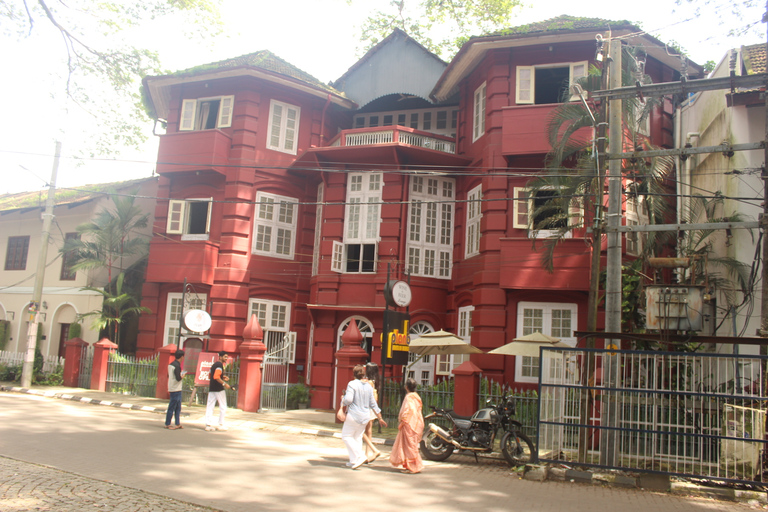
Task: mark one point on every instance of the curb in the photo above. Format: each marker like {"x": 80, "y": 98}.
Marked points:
{"x": 85, "y": 400}
{"x": 650, "y": 482}
{"x": 162, "y": 410}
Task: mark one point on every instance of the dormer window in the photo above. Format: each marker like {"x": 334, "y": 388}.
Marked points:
{"x": 206, "y": 113}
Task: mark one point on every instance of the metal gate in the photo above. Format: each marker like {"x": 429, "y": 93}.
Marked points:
{"x": 86, "y": 364}
{"x": 281, "y": 352}
{"x": 699, "y": 415}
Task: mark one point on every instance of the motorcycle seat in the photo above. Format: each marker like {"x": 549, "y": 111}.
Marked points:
{"x": 455, "y": 416}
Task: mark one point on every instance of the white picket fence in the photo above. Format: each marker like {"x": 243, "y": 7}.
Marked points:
{"x": 50, "y": 363}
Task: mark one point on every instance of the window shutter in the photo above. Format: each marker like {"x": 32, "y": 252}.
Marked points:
{"x": 578, "y": 70}
{"x": 522, "y": 203}
{"x": 576, "y": 212}
{"x": 188, "y": 109}
{"x": 337, "y": 258}
{"x": 478, "y": 128}
{"x": 175, "y": 222}
{"x": 526, "y": 84}
{"x": 290, "y": 339}
{"x": 208, "y": 220}
{"x": 225, "y": 111}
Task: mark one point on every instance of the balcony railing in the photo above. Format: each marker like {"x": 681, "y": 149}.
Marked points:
{"x": 394, "y": 134}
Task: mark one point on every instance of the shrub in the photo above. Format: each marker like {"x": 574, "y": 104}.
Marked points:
{"x": 10, "y": 373}
{"x": 75, "y": 330}
{"x": 297, "y": 394}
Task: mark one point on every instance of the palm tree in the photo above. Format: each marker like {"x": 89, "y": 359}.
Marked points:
{"x": 570, "y": 193}
{"x": 111, "y": 241}
{"x": 117, "y": 306}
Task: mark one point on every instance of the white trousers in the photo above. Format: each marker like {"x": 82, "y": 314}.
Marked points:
{"x": 213, "y": 397}
{"x": 352, "y": 435}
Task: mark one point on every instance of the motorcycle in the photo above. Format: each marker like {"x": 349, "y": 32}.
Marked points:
{"x": 477, "y": 433}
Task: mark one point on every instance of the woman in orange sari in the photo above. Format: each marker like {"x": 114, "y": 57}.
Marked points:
{"x": 405, "y": 452}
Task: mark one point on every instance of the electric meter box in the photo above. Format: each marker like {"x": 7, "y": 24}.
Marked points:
{"x": 674, "y": 307}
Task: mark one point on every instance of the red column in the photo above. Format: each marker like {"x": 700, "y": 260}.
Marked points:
{"x": 101, "y": 352}
{"x": 73, "y": 357}
{"x": 347, "y": 357}
{"x": 164, "y": 359}
{"x": 251, "y": 357}
{"x": 466, "y": 388}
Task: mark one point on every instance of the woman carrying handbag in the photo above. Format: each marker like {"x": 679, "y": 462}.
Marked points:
{"x": 359, "y": 401}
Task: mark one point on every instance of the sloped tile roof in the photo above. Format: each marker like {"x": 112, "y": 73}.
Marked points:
{"x": 64, "y": 196}
{"x": 755, "y": 58}
{"x": 562, "y": 23}
{"x": 263, "y": 59}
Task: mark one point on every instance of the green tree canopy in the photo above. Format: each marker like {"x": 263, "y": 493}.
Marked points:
{"x": 101, "y": 44}
{"x": 442, "y": 26}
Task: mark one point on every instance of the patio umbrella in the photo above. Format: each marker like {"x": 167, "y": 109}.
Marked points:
{"x": 529, "y": 345}
{"x": 441, "y": 343}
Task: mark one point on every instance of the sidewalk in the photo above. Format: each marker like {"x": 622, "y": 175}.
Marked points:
{"x": 299, "y": 421}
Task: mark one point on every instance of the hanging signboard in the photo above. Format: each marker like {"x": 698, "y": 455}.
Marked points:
{"x": 395, "y": 338}
{"x": 204, "y": 362}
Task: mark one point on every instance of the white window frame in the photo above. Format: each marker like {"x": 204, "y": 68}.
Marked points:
{"x": 275, "y": 320}
{"x": 274, "y": 217}
{"x": 474, "y": 216}
{"x": 190, "y": 118}
{"x": 362, "y": 219}
{"x": 524, "y": 205}
{"x": 525, "y": 89}
{"x": 430, "y": 226}
{"x": 548, "y": 327}
{"x": 447, "y": 363}
{"x": 173, "y": 316}
{"x": 424, "y": 365}
{"x": 283, "y": 132}
{"x": 177, "y": 222}
{"x": 318, "y": 229}
{"x": 478, "y": 116}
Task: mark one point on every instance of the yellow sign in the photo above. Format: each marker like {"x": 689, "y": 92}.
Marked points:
{"x": 398, "y": 341}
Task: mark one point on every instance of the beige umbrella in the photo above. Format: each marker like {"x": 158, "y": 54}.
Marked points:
{"x": 441, "y": 343}
{"x": 529, "y": 345}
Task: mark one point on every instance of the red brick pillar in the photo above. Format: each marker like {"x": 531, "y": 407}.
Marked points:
{"x": 73, "y": 357}
{"x": 348, "y": 356}
{"x": 466, "y": 388}
{"x": 251, "y": 357}
{"x": 101, "y": 352}
{"x": 164, "y": 359}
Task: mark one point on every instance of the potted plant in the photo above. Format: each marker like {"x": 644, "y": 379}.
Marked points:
{"x": 298, "y": 396}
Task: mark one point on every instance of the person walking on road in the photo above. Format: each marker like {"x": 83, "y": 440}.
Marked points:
{"x": 217, "y": 387}
{"x": 371, "y": 376}
{"x": 359, "y": 401}
{"x": 405, "y": 451}
{"x": 175, "y": 374}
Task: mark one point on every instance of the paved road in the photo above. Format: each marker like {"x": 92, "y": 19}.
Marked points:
{"x": 97, "y": 457}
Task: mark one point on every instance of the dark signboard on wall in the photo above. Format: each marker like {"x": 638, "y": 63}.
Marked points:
{"x": 395, "y": 339}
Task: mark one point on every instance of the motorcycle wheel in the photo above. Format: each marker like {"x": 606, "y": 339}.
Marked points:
{"x": 517, "y": 448}
{"x": 434, "y": 448}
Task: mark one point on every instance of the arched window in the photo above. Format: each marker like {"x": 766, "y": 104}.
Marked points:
{"x": 420, "y": 369}
{"x": 366, "y": 329}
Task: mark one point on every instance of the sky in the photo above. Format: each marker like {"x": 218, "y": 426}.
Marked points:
{"x": 320, "y": 37}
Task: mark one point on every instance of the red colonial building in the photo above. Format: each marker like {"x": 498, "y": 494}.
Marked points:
{"x": 296, "y": 201}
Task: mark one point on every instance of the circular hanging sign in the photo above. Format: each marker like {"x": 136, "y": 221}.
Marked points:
{"x": 197, "y": 320}
{"x": 398, "y": 293}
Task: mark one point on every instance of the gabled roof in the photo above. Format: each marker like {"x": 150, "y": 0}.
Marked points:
{"x": 396, "y": 33}
{"x": 262, "y": 64}
{"x": 398, "y": 65}
{"x": 754, "y": 57}
{"x": 562, "y": 29}
{"x": 66, "y": 196}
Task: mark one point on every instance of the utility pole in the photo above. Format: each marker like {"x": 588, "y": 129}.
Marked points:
{"x": 764, "y": 220}
{"x": 37, "y": 294}
{"x": 613, "y": 263}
